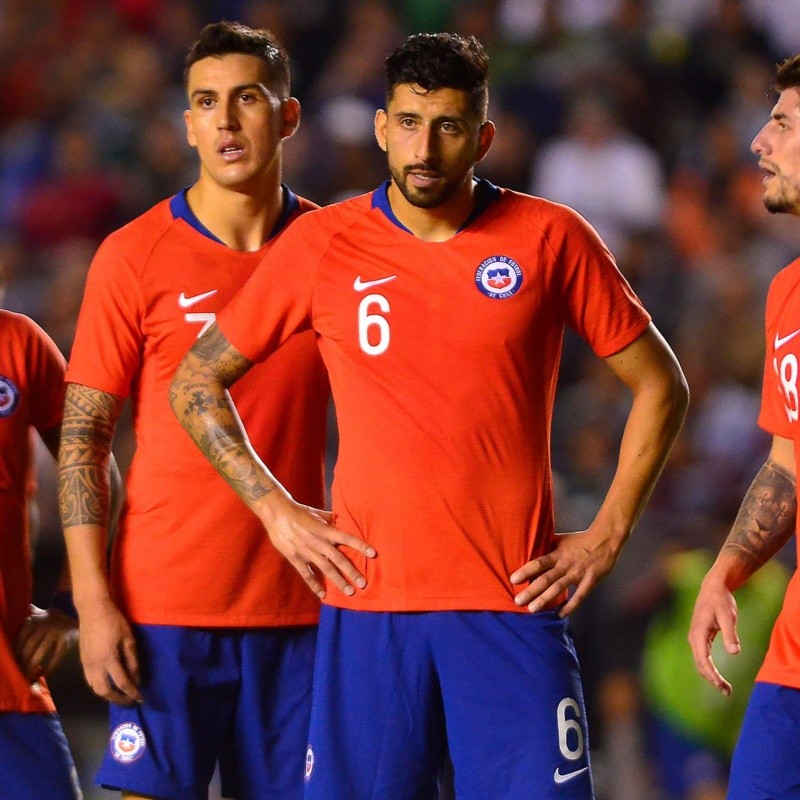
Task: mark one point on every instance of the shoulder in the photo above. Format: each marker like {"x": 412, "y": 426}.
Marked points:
{"x": 23, "y": 334}
{"x": 140, "y": 235}
{"x": 787, "y": 279}
{"x": 327, "y": 221}
{"x": 527, "y": 212}
{"x": 19, "y": 327}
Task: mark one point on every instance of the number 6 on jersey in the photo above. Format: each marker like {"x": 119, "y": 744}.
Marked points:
{"x": 368, "y": 319}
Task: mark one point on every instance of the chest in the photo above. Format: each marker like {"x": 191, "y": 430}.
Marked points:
{"x": 423, "y": 299}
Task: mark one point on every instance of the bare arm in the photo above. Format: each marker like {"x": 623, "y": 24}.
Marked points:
{"x": 660, "y": 397}
{"x": 108, "y": 650}
{"x": 765, "y": 522}
{"x": 303, "y": 535}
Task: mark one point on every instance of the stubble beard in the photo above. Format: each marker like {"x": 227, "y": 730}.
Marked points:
{"x": 786, "y": 200}
{"x": 421, "y": 198}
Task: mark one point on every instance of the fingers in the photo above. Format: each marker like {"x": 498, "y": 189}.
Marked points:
{"x": 550, "y": 580}
{"x": 43, "y": 642}
{"x": 113, "y": 683}
{"x": 312, "y": 545}
{"x": 700, "y": 643}
{"x": 111, "y": 667}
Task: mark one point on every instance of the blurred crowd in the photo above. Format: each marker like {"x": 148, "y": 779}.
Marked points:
{"x": 637, "y": 113}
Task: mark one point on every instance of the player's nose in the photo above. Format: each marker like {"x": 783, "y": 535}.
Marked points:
{"x": 759, "y": 145}
{"x": 227, "y": 119}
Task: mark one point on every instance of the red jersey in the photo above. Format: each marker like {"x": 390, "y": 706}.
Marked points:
{"x": 187, "y": 551}
{"x": 443, "y": 359}
{"x": 31, "y": 396}
{"x": 780, "y": 416}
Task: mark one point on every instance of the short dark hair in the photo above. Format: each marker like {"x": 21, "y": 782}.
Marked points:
{"x": 788, "y": 74}
{"x": 442, "y": 61}
{"x": 224, "y": 38}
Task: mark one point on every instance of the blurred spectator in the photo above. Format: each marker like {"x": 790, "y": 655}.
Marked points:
{"x": 609, "y": 176}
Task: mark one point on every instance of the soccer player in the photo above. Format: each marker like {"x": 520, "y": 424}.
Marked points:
{"x": 34, "y": 758}
{"x": 203, "y": 637}
{"x": 765, "y": 762}
{"x": 439, "y": 302}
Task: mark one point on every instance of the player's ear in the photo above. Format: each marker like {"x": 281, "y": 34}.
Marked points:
{"x": 290, "y": 116}
{"x": 190, "y": 137}
{"x": 485, "y": 137}
{"x": 380, "y": 128}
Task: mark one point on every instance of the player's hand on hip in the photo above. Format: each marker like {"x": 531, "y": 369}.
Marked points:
{"x": 306, "y": 537}
{"x": 714, "y": 611}
{"x": 108, "y": 653}
{"x": 580, "y": 559}
{"x": 44, "y": 640}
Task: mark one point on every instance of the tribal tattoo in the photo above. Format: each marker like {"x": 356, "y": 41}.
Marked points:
{"x": 90, "y": 417}
{"x": 766, "y": 518}
{"x": 200, "y": 401}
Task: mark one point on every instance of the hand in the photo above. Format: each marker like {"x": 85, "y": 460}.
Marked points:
{"x": 310, "y": 543}
{"x": 579, "y": 559}
{"x": 108, "y": 653}
{"x": 45, "y": 638}
{"x": 714, "y": 611}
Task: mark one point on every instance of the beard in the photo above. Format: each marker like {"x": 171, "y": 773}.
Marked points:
{"x": 426, "y": 198}
{"x": 786, "y": 200}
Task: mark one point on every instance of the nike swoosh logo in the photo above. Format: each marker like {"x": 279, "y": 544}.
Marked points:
{"x": 563, "y": 777}
{"x": 360, "y": 285}
{"x": 780, "y": 342}
{"x": 188, "y": 302}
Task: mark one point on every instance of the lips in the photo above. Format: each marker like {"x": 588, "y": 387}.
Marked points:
{"x": 230, "y": 150}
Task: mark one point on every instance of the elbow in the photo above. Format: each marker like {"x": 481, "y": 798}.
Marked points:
{"x": 676, "y": 395}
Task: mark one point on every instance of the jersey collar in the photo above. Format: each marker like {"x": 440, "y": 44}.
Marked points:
{"x": 485, "y": 194}
{"x": 180, "y": 210}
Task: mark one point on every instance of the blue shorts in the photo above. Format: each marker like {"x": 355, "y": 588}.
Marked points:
{"x": 683, "y": 766}
{"x": 35, "y": 761}
{"x": 394, "y": 691}
{"x": 766, "y": 765}
{"x": 238, "y": 697}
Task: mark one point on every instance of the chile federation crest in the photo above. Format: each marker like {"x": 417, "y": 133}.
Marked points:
{"x": 9, "y": 396}
{"x": 498, "y": 277}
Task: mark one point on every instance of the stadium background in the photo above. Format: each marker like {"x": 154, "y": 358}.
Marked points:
{"x": 638, "y": 114}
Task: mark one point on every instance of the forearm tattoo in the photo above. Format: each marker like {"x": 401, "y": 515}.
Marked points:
{"x": 766, "y": 518}
{"x": 87, "y": 431}
{"x": 200, "y": 401}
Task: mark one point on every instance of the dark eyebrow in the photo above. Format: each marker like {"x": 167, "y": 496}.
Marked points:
{"x": 236, "y": 90}
{"x": 434, "y": 121}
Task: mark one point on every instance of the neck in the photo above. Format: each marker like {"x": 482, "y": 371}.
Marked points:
{"x": 242, "y": 220}
{"x": 437, "y": 224}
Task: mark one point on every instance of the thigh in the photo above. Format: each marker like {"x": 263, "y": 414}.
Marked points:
{"x": 273, "y": 710}
{"x": 168, "y": 745}
{"x": 765, "y": 762}
{"x": 35, "y": 761}
{"x": 377, "y": 729}
{"x": 516, "y": 720}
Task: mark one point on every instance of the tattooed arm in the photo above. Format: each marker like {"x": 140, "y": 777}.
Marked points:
{"x": 765, "y": 522}
{"x": 303, "y": 535}
{"x": 108, "y": 650}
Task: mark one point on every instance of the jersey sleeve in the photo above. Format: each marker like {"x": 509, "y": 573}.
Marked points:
{"x": 598, "y": 301}
{"x": 46, "y": 379}
{"x": 106, "y": 353}
{"x": 776, "y": 406}
{"x": 276, "y": 300}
